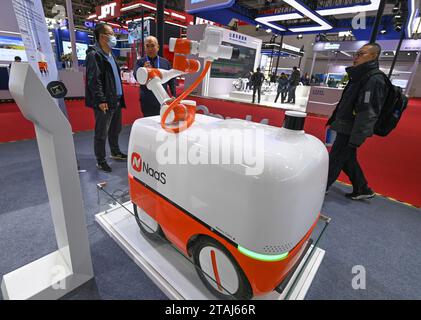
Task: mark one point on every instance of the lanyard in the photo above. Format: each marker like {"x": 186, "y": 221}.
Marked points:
{"x": 157, "y": 57}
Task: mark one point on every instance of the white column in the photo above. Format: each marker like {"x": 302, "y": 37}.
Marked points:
{"x": 413, "y": 73}
{"x": 312, "y": 64}
{"x": 72, "y": 34}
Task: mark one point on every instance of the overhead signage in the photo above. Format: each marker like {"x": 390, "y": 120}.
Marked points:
{"x": 291, "y": 48}
{"x": 91, "y": 25}
{"x": 332, "y": 46}
{"x": 236, "y": 37}
{"x": 109, "y": 10}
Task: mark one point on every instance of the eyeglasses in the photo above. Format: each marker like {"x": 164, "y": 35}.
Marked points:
{"x": 359, "y": 53}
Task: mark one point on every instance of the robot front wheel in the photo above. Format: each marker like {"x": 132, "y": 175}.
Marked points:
{"x": 219, "y": 271}
{"x": 148, "y": 226}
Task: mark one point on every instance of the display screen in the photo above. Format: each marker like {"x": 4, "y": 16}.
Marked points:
{"x": 80, "y": 49}
{"x": 234, "y": 68}
{"x": 135, "y": 30}
{"x": 10, "y": 47}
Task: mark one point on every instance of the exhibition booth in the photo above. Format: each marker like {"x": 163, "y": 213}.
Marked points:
{"x": 331, "y": 59}
{"x": 219, "y": 198}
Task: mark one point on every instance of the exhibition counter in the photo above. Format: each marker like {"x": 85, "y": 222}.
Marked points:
{"x": 72, "y": 79}
{"x": 323, "y": 100}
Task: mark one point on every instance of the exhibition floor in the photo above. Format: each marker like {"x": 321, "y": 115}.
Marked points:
{"x": 380, "y": 235}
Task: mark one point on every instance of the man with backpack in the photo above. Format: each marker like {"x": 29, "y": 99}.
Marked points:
{"x": 355, "y": 118}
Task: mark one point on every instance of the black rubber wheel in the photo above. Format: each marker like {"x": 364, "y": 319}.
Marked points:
{"x": 219, "y": 271}
{"x": 152, "y": 232}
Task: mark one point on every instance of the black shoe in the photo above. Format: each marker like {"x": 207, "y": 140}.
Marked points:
{"x": 103, "y": 165}
{"x": 362, "y": 195}
{"x": 119, "y": 156}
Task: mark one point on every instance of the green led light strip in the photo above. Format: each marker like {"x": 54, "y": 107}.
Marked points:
{"x": 263, "y": 257}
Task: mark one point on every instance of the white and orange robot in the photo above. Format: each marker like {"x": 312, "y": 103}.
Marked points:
{"x": 245, "y": 233}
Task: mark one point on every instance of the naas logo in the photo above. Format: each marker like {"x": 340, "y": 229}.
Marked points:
{"x": 139, "y": 165}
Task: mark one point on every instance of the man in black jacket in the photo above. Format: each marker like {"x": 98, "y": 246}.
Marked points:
{"x": 104, "y": 93}
{"x": 354, "y": 119}
{"x": 149, "y": 104}
{"x": 294, "y": 81}
{"x": 256, "y": 80}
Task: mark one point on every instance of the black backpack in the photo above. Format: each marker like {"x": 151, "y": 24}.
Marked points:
{"x": 394, "y": 105}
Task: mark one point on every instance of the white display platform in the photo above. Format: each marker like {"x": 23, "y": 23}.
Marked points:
{"x": 248, "y": 95}
{"x": 172, "y": 272}
{"x": 268, "y": 98}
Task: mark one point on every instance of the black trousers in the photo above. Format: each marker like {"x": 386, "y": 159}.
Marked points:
{"x": 283, "y": 95}
{"x": 291, "y": 94}
{"x": 344, "y": 157}
{"x": 256, "y": 88}
{"x": 149, "y": 104}
{"x": 107, "y": 124}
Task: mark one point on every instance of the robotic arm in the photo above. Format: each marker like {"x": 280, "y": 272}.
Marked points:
{"x": 175, "y": 116}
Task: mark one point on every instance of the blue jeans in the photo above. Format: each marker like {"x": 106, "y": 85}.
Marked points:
{"x": 291, "y": 94}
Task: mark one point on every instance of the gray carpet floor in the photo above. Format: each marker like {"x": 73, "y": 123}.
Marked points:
{"x": 382, "y": 236}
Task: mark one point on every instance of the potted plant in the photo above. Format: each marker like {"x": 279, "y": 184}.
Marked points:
{"x": 67, "y": 59}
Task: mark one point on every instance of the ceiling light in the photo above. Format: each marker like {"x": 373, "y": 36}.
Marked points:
{"x": 323, "y": 24}
{"x": 346, "y": 53}
{"x": 268, "y": 19}
{"x": 268, "y": 30}
{"x": 178, "y": 15}
{"x": 175, "y": 24}
{"x": 257, "y": 27}
{"x": 300, "y": 36}
{"x": 410, "y": 20}
{"x": 131, "y": 7}
{"x": 383, "y": 31}
{"x": 372, "y": 6}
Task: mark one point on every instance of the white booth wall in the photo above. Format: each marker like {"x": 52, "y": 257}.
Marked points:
{"x": 220, "y": 87}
